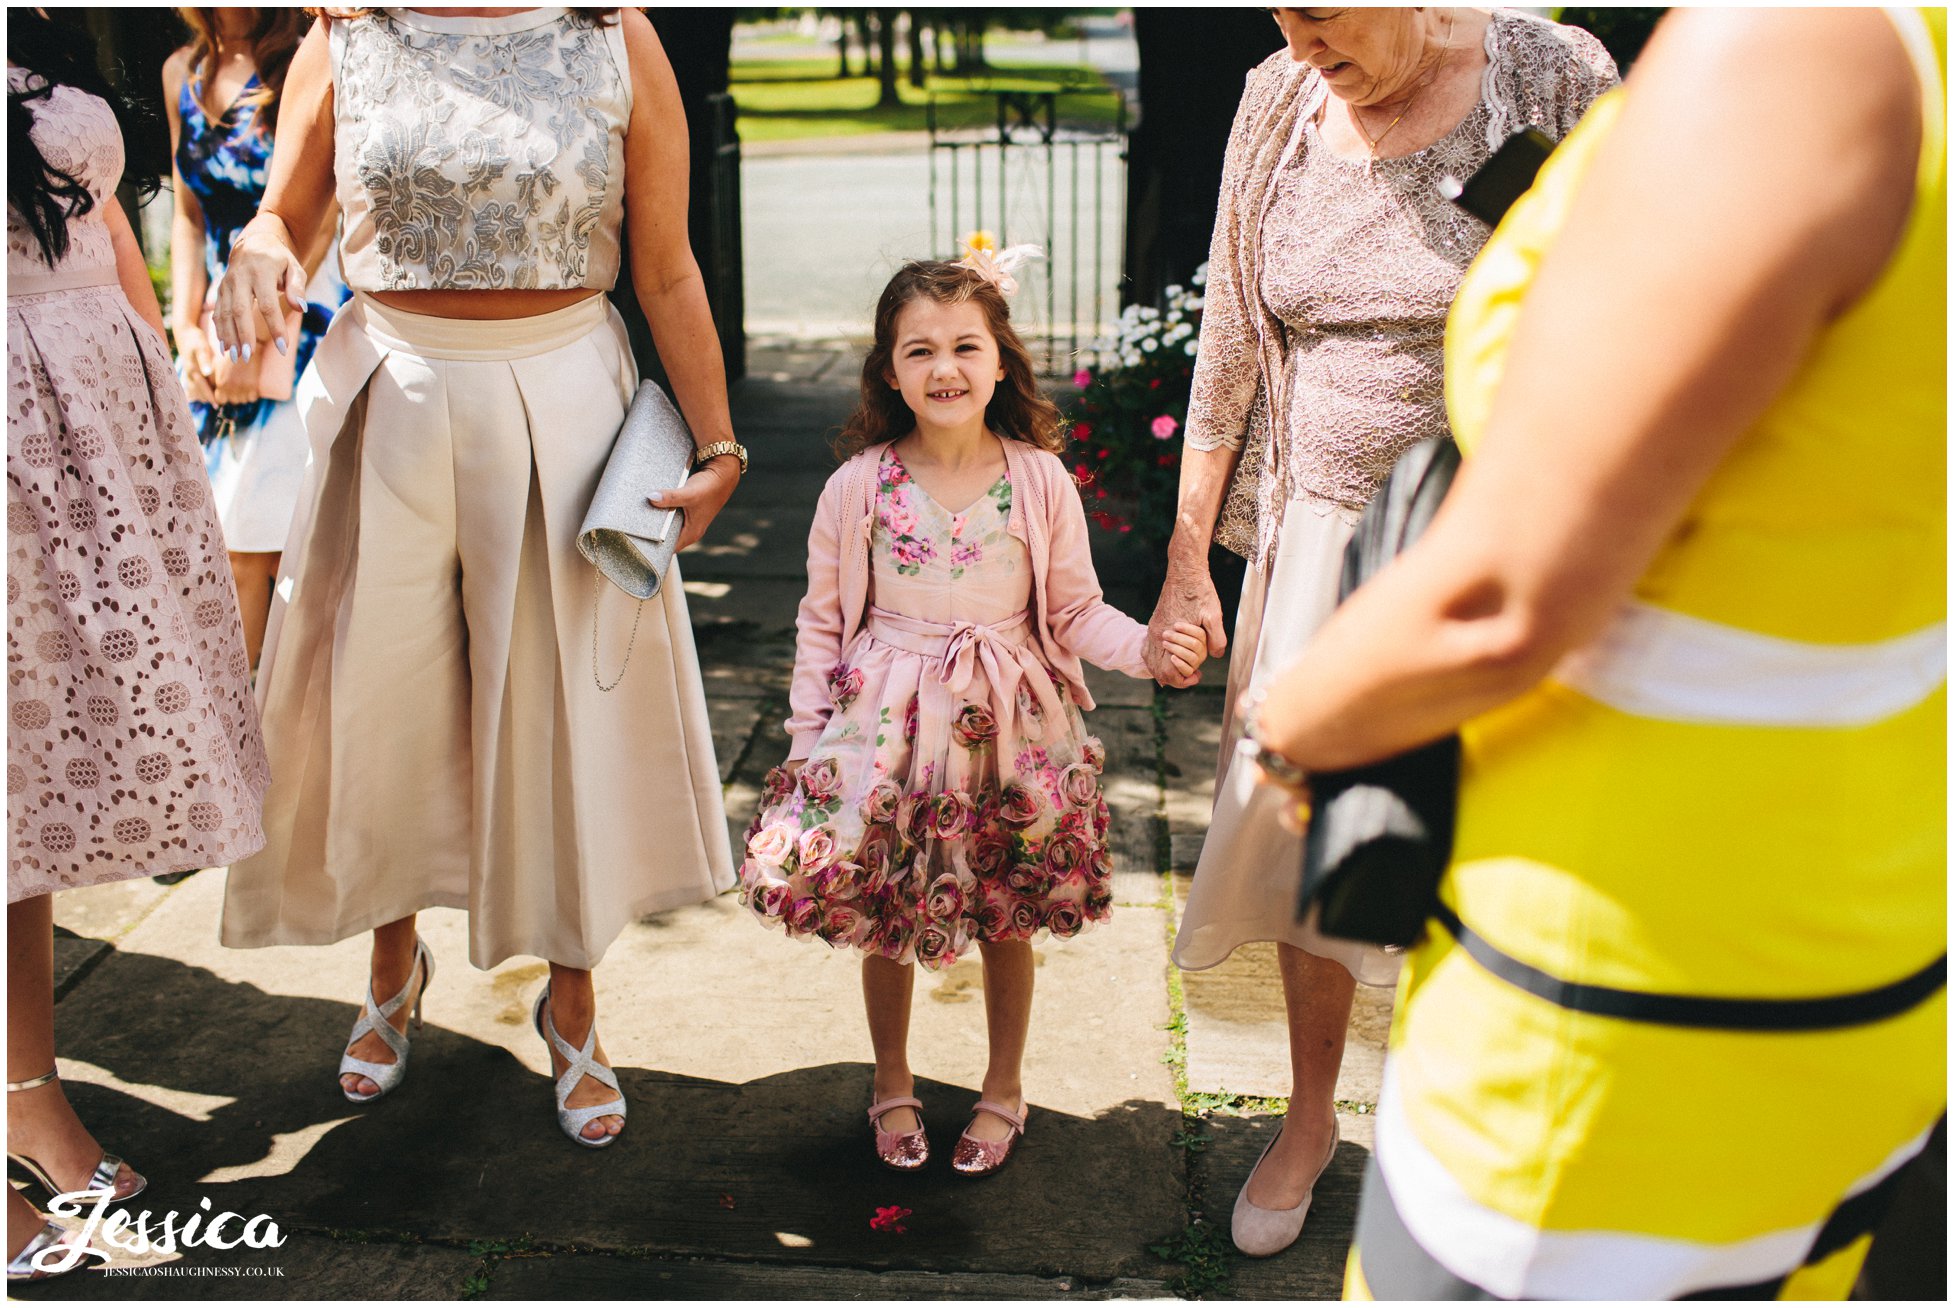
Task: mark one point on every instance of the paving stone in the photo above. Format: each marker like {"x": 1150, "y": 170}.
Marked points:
{"x": 743, "y": 1057}
{"x": 74, "y": 956}
{"x": 106, "y": 912}
{"x": 1312, "y": 1268}
{"x": 308, "y": 1267}
{"x": 599, "y": 1276}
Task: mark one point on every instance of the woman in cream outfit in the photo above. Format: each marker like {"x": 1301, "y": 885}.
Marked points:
{"x": 438, "y": 731}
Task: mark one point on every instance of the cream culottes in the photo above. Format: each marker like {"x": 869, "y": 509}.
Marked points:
{"x": 436, "y": 730}
{"x": 1251, "y": 869}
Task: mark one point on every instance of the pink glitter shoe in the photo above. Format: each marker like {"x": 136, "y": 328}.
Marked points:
{"x": 900, "y": 1151}
{"x": 984, "y": 1157}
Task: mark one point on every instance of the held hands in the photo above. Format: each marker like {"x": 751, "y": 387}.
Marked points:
{"x": 264, "y": 277}
{"x": 199, "y": 364}
{"x": 1175, "y": 658}
{"x": 702, "y": 496}
{"x": 1187, "y": 602}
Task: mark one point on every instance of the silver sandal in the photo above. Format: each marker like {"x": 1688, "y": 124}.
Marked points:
{"x": 581, "y": 1064}
{"x": 21, "y": 1266}
{"x": 387, "y": 1075}
{"x": 100, "y": 1181}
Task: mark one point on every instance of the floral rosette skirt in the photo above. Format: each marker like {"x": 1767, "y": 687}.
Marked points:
{"x": 949, "y": 801}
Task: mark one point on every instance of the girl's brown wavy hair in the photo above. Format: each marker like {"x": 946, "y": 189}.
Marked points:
{"x": 1018, "y": 410}
{"x": 274, "y": 39}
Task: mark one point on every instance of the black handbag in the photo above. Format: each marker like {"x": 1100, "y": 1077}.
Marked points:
{"x": 1380, "y": 836}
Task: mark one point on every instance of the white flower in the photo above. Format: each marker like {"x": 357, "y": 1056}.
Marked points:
{"x": 1191, "y": 345}
{"x": 1149, "y": 346}
{"x": 1200, "y": 277}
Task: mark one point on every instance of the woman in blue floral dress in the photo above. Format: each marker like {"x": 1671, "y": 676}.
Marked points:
{"x": 254, "y": 442}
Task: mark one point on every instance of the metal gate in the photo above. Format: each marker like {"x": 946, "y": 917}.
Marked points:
{"x": 1031, "y": 179}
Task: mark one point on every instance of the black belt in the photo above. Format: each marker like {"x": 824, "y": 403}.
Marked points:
{"x": 1816, "y": 1014}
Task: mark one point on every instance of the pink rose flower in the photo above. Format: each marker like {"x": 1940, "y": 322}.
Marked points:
{"x": 840, "y": 924}
{"x": 1028, "y": 879}
{"x": 899, "y": 518}
{"x": 988, "y": 854}
{"x": 1095, "y": 753}
{"x": 778, "y": 785}
{"x": 1018, "y": 807}
{"x": 949, "y": 812}
{"x": 880, "y": 804}
{"x": 844, "y": 881}
{"x": 1081, "y": 379}
{"x": 1067, "y": 855}
{"x": 1024, "y": 919}
{"x": 820, "y": 780}
{"x": 803, "y": 915}
{"x": 844, "y": 685}
{"x": 946, "y": 899}
{"x": 909, "y": 714}
{"x": 994, "y": 922}
{"x": 975, "y": 726}
{"x": 914, "y": 817}
{"x": 817, "y": 848}
{"x": 1099, "y": 900}
{"x": 771, "y": 847}
{"x": 1164, "y": 427}
{"x": 934, "y": 947}
{"x": 773, "y": 899}
{"x": 1063, "y": 919}
{"x": 1078, "y": 784}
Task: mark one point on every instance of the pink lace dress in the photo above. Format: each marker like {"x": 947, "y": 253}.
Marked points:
{"x": 132, "y": 740}
{"x": 954, "y": 795}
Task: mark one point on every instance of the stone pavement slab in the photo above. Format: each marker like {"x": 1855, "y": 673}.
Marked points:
{"x": 606, "y": 1277}
{"x": 304, "y": 1267}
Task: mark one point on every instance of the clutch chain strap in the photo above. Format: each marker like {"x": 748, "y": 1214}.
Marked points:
{"x": 597, "y": 594}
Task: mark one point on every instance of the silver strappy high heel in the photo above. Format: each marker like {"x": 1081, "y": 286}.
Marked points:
{"x": 101, "y": 1180}
{"x": 375, "y": 1018}
{"x": 21, "y": 1266}
{"x": 581, "y": 1064}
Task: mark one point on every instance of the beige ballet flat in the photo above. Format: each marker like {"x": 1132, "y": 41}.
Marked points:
{"x": 1259, "y": 1232}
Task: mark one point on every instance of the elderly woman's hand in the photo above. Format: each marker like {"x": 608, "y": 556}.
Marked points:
{"x": 263, "y": 278}
{"x": 702, "y": 496}
{"x": 1189, "y": 597}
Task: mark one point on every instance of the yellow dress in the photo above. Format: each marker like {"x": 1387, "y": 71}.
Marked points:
{"x": 1596, "y": 1087}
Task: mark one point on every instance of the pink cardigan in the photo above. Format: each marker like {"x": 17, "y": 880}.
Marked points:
{"x": 1072, "y": 620}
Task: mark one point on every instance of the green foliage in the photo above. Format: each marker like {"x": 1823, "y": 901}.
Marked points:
{"x": 1127, "y": 419}
{"x": 1623, "y": 31}
{"x": 475, "y": 1285}
{"x": 1203, "y": 1254}
{"x": 792, "y": 99}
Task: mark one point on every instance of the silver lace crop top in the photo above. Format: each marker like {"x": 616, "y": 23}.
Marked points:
{"x": 479, "y": 153}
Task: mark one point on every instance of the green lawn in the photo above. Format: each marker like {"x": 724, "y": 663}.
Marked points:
{"x": 793, "y": 99}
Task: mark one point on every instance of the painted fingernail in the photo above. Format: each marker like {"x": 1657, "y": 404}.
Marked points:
{"x": 246, "y": 347}
{"x": 279, "y": 341}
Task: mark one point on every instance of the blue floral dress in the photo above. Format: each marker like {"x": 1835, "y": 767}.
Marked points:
{"x": 256, "y": 451}
{"x": 954, "y": 795}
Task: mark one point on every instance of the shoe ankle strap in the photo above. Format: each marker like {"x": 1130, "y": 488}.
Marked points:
{"x": 997, "y": 1110}
{"x": 889, "y": 1105}
{"x": 33, "y": 1083}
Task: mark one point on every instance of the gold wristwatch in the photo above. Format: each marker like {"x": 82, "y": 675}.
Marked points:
{"x": 718, "y": 448}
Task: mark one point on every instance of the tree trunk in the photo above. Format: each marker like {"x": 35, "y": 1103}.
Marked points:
{"x": 885, "y": 50}
{"x": 940, "y": 35}
{"x": 841, "y": 49}
{"x": 918, "y": 75}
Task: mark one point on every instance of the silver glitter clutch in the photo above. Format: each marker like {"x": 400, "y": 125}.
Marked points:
{"x": 630, "y": 539}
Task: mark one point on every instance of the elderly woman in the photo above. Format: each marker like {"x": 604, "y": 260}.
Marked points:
{"x": 1335, "y": 259}
{"x": 460, "y": 712}
{"x": 1681, "y": 1017}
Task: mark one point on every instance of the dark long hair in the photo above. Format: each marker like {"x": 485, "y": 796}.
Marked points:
{"x": 1018, "y": 409}
{"x": 44, "y": 196}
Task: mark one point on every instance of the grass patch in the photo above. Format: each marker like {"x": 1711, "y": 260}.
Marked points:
{"x": 798, "y": 99}
{"x": 1203, "y": 1254}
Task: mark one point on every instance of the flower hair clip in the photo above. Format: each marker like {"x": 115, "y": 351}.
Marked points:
{"x": 981, "y": 255}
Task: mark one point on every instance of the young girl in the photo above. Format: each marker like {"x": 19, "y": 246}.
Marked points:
{"x": 941, "y": 791}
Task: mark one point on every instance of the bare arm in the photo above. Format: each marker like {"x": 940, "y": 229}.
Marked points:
{"x": 266, "y": 268}
{"x": 664, "y": 273}
{"x": 130, "y": 270}
{"x": 1663, "y": 322}
{"x": 189, "y": 282}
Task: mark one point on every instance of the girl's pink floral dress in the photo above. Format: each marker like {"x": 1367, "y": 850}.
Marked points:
{"x": 954, "y": 794}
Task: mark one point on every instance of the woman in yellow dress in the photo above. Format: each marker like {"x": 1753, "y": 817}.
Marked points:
{"x": 1681, "y": 1016}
